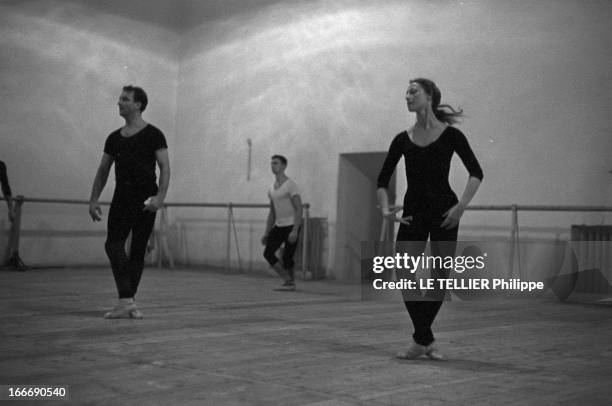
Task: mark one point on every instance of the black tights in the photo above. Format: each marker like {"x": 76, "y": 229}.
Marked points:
{"x": 413, "y": 239}
{"x": 126, "y": 215}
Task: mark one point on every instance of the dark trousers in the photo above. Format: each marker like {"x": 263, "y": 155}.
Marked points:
{"x": 277, "y": 237}
{"x": 127, "y": 215}
{"x": 413, "y": 239}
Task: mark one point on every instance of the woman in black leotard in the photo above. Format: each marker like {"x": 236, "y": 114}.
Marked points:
{"x": 431, "y": 209}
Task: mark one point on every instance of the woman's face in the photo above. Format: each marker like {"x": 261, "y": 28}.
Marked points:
{"x": 416, "y": 98}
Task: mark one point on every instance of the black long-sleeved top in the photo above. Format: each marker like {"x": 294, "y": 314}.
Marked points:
{"x": 6, "y": 188}
{"x": 427, "y": 169}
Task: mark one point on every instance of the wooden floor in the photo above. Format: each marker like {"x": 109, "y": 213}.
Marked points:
{"x": 215, "y": 339}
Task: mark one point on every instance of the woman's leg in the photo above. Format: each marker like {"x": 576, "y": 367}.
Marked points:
{"x": 412, "y": 239}
{"x": 443, "y": 243}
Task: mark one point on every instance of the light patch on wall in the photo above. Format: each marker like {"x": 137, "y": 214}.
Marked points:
{"x": 87, "y": 51}
{"x": 63, "y": 68}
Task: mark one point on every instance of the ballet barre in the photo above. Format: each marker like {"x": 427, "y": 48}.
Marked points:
{"x": 161, "y": 232}
{"x": 515, "y": 250}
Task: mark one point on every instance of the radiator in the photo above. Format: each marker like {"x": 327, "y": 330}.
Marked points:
{"x": 593, "y": 248}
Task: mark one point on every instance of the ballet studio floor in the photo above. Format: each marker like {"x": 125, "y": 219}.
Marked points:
{"x": 210, "y": 338}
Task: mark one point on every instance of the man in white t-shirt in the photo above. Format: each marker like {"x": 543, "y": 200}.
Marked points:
{"x": 284, "y": 221}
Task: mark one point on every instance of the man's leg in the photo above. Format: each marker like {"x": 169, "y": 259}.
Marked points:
{"x": 119, "y": 224}
{"x": 14, "y": 260}
{"x": 288, "y": 254}
{"x": 275, "y": 239}
{"x": 141, "y": 231}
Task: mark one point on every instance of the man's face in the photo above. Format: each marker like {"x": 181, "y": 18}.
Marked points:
{"x": 127, "y": 105}
{"x": 277, "y": 166}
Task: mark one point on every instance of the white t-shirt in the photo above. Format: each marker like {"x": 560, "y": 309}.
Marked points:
{"x": 281, "y": 199}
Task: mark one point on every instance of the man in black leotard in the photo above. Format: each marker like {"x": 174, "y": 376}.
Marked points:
{"x": 6, "y": 190}
{"x": 135, "y": 149}
{"x": 431, "y": 209}
{"x": 13, "y": 261}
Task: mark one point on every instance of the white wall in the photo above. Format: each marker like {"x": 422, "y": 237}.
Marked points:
{"x": 63, "y": 66}
{"x": 314, "y": 79}
{"x": 311, "y": 80}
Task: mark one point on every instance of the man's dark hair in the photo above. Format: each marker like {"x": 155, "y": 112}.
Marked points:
{"x": 280, "y": 158}
{"x": 139, "y": 96}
